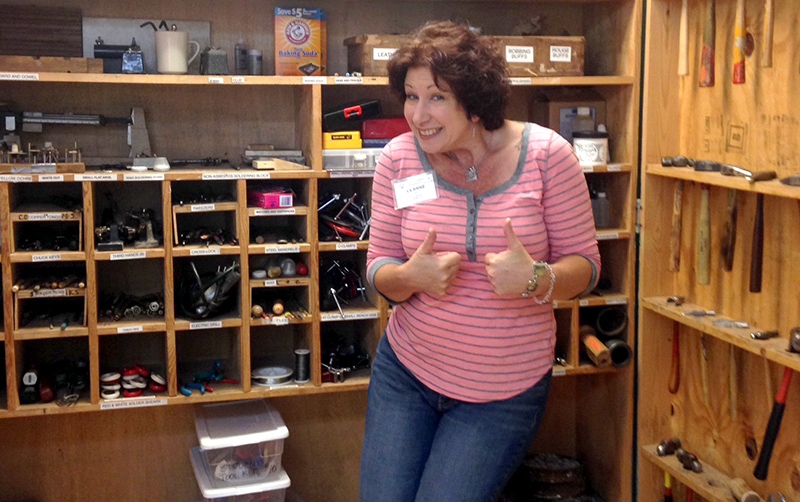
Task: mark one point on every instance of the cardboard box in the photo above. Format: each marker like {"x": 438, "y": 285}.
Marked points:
{"x": 369, "y": 54}
{"x": 556, "y": 107}
{"x": 542, "y": 56}
{"x": 300, "y": 41}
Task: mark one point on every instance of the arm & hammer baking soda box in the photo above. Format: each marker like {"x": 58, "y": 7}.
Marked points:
{"x": 301, "y": 46}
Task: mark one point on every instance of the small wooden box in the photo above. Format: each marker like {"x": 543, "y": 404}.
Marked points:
{"x": 369, "y": 54}
{"x": 542, "y": 56}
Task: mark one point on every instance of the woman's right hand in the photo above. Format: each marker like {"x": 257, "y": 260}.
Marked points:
{"x": 432, "y": 272}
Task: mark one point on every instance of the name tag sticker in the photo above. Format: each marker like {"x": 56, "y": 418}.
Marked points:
{"x": 414, "y": 190}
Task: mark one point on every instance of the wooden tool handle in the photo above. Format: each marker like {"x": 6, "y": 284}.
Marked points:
{"x": 704, "y": 371}
{"x": 742, "y": 492}
{"x": 739, "y": 44}
{"x": 709, "y": 41}
{"x": 769, "y": 22}
{"x": 596, "y": 350}
{"x": 683, "y": 51}
{"x": 675, "y": 371}
{"x": 728, "y": 243}
{"x": 675, "y": 234}
{"x": 773, "y": 427}
{"x": 758, "y": 246}
{"x": 704, "y": 238}
{"x": 733, "y": 384}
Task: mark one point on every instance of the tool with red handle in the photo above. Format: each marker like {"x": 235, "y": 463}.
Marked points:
{"x": 675, "y": 371}
{"x": 709, "y": 42}
{"x": 739, "y": 44}
{"x": 757, "y": 257}
{"x": 773, "y": 427}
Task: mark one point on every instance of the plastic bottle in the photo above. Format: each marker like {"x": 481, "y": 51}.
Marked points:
{"x": 583, "y": 121}
{"x": 254, "y": 60}
{"x": 240, "y": 57}
{"x": 600, "y": 208}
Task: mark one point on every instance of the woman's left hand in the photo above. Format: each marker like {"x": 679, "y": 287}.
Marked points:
{"x": 510, "y": 270}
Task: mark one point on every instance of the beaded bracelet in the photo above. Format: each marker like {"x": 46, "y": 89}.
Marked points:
{"x": 547, "y": 296}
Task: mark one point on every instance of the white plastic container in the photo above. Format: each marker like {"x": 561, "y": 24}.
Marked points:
{"x": 591, "y": 147}
{"x": 270, "y": 489}
{"x": 354, "y": 159}
{"x": 241, "y": 442}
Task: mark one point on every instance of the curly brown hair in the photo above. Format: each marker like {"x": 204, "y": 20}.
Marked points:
{"x": 469, "y": 63}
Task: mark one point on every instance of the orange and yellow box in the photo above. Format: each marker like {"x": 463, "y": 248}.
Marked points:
{"x": 301, "y": 46}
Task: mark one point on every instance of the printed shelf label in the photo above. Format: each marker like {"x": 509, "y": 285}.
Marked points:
{"x": 130, "y": 329}
{"x": 46, "y": 257}
{"x": 275, "y": 211}
{"x": 205, "y": 252}
{"x": 205, "y": 325}
{"x": 138, "y": 402}
{"x": 349, "y": 317}
{"x": 138, "y": 255}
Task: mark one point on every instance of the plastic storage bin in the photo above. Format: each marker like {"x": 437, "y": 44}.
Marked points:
{"x": 270, "y": 489}
{"x": 354, "y": 159}
{"x": 241, "y": 442}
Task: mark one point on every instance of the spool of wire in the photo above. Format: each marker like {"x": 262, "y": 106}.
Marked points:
{"x": 302, "y": 363}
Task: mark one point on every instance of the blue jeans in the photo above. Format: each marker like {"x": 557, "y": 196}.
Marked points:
{"x": 420, "y": 446}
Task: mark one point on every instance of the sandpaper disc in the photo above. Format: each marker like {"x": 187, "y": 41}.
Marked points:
{"x": 552, "y": 468}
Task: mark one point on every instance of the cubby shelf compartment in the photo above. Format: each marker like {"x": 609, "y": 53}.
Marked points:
{"x": 774, "y": 349}
{"x": 325, "y": 247}
{"x": 710, "y": 484}
{"x": 772, "y": 187}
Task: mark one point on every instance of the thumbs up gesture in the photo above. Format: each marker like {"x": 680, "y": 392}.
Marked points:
{"x": 509, "y": 270}
{"x": 433, "y": 272}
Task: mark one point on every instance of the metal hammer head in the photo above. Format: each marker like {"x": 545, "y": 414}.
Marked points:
{"x": 751, "y": 176}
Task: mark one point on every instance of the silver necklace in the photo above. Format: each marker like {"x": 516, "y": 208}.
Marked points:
{"x": 471, "y": 174}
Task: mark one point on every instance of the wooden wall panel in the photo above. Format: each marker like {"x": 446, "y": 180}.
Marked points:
{"x": 753, "y": 125}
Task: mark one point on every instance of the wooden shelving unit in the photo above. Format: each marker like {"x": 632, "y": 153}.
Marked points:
{"x": 728, "y": 380}
{"x": 195, "y": 116}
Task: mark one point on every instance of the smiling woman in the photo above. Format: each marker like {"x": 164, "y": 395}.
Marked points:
{"x": 460, "y": 380}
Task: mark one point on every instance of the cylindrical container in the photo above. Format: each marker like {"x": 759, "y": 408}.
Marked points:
{"x": 591, "y": 147}
{"x": 302, "y": 365}
{"x": 254, "y": 62}
{"x": 611, "y": 321}
{"x": 621, "y": 352}
{"x": 240, "y": 58}
{"x": 600, "y": 209}
{"x": 583, "y": 121}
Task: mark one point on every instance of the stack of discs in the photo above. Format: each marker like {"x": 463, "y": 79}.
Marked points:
{"x": 270, "y": 376}
{"x": 547, "y": 477}
{"x": 130, "y": 382}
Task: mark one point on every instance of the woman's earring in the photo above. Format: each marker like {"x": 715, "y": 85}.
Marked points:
{"x": 473, "y": 131}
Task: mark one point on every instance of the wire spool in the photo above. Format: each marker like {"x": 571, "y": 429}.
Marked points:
{"x": 611, "y": 321}
{"x": 271, "y": 375}
{"x": 302, "y": 365}
{"x": 621, "y": 352}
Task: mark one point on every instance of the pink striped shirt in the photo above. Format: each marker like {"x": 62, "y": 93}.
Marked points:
{"x": 472, "y": 344}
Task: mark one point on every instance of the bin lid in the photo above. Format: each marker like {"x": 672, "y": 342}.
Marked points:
{"x": 221, "y": 425}
{"x": 277, "y": 481}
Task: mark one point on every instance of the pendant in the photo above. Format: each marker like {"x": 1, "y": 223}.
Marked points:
{"x": 472, "y": 174}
